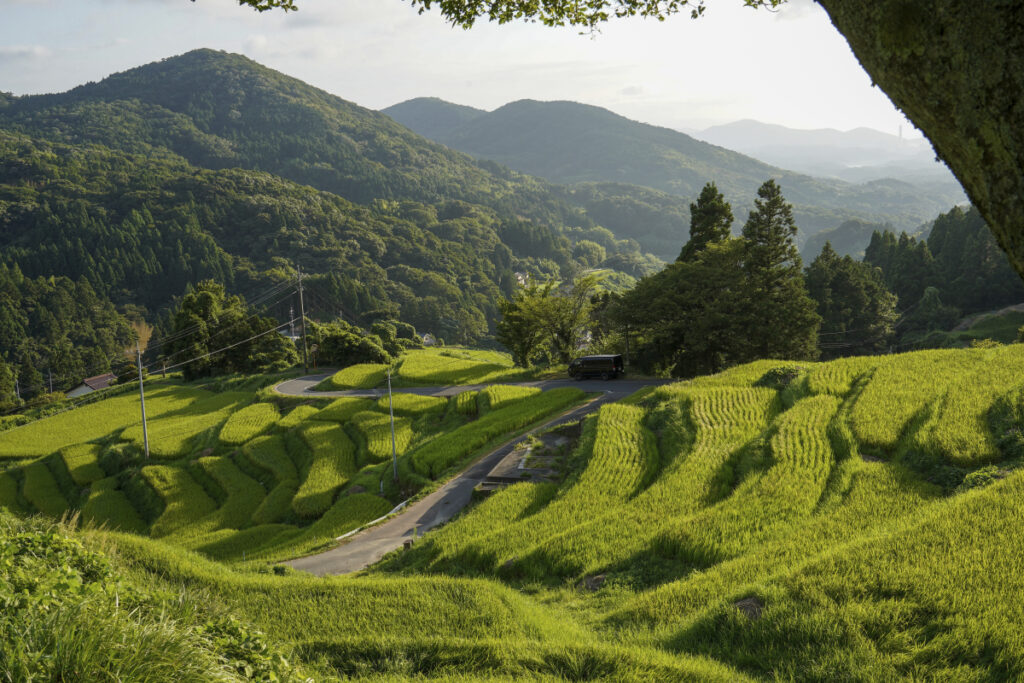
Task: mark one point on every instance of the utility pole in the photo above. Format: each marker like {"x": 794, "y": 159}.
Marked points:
{"x": 17, "y": 389}
{"x": 302, "y": 312}
{"x": 49, "y": 373}
{"x": 142, "y": 400}
{"x": 394, "y": 448}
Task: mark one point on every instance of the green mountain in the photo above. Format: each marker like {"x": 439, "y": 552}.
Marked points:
{"x": 208, "y": 165}
{"x": 434, "y": 117}
{"x": 568, "y": 142}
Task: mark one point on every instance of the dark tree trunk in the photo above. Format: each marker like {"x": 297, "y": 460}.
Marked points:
{"x": 956, "y": 69}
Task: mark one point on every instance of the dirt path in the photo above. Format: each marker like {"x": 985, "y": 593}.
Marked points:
{"x": 367, "y": 547}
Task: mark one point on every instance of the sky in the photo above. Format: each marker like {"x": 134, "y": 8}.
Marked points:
{"x": 788, "y": 67}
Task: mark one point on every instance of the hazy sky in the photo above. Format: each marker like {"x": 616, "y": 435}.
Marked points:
{"x": 789, "y": 67}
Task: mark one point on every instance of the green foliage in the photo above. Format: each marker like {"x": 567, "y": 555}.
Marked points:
{"x": 710, "y": 221}
{"x": 278, "y": 503}
{"x": 70, "y": 614}
{"x": 207, "y": 319}
{"x": 858, "y": 314}
{"x": 248, "y": 422}
{"x": 547, "y": 320}
{"x": 270, "y": 454}
{"x": 175, "y": 433}
{"x": 466, "y": 403}
{"x": 731, "y": 301}
{"x": 95, "y": 421}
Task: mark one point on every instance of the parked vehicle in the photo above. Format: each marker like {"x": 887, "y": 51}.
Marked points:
{"x": 608, "y": 366}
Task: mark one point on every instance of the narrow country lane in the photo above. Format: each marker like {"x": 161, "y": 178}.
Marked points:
{"x": 367, "y": 547}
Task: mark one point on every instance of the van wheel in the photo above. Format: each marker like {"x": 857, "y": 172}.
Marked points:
{"x": 605, "y": 376}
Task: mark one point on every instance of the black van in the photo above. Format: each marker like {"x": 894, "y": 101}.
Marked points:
{"x": 607, "y": 366}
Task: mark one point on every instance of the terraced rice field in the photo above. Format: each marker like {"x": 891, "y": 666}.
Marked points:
{"x": 853, "y": 520}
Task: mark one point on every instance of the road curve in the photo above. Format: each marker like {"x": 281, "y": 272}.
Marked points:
{"x": 304, "y": 386}
{"x": 367, "y": 547}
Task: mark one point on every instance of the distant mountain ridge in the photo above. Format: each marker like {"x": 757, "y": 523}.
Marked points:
{"x": 857, "y": 155}
{"x": 568, "y": 142}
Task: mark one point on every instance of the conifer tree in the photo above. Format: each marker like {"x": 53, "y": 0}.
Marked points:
{"x": 858, "y": 313}
{"x": 710, "y": 221}
{"x": 779, "y": 316}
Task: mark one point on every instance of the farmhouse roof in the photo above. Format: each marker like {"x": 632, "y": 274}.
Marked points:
{"x": 99, "y": 381}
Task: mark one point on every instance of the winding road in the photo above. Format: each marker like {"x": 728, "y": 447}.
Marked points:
{"x": 361, "y": 550}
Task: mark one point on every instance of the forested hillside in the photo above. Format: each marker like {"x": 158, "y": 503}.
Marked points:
{"x": 568, "y": 142}
{"x": 210, "y": 166}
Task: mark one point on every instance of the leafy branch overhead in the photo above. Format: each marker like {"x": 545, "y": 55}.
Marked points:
{"x": 588, "y": 13}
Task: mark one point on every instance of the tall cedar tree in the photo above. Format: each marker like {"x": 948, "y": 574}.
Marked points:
{"x": 710, "y": 221}
{"x": 858, "y": 313}
{"x": 779, "y": 316}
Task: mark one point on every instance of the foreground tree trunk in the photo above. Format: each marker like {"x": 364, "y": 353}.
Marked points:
{"x": 956, "y": 69}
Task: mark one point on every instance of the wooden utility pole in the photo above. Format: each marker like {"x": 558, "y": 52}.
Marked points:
{"x": 394, "y": 448}
{"x": 302, "y": 312}
{"x": 142, "y": 400}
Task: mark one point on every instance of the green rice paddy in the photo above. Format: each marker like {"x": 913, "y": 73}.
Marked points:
{"x": 851, "y": 520}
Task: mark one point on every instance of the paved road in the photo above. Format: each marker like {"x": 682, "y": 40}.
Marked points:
{"x": 303, "y": 386}
{"x": 367, "y": 547}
